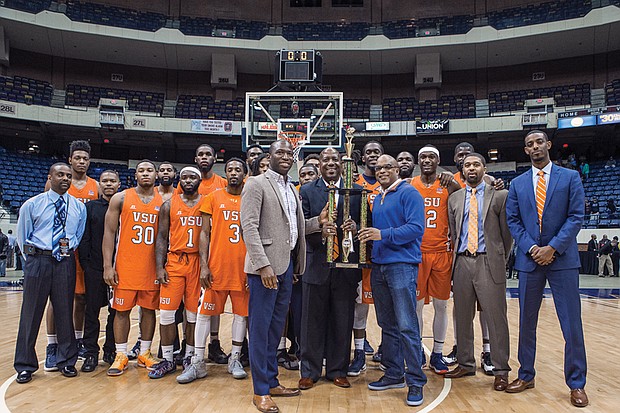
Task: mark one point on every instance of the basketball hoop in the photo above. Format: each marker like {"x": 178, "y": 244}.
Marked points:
{"x": 296, "y": 139}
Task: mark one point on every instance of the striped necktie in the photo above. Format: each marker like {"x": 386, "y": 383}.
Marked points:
{"x": 541, "y": 195}
{"x": 60, "y": 218}
{"x": 472, "y": 227}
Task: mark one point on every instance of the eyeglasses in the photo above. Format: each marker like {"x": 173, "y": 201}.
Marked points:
{"x": 382, "y": 167}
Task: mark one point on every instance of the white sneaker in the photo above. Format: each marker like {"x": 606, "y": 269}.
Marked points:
{"x": 197, "y": 369}
{"x": 235, "y": 367}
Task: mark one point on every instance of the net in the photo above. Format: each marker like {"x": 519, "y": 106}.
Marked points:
{"x": 296, "y": 139}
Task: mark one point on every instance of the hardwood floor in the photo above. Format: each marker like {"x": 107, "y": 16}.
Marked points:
{"x": 219, "y": 392}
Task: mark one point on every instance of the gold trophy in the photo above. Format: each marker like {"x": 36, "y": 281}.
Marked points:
{"x": 346, "y": 243}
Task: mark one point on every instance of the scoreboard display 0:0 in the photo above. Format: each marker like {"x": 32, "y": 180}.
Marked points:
{"x": 298, "y": 55}
{"x": 296, "y": 66}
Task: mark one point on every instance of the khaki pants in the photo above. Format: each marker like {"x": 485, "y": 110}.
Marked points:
{"x": 605, "y": 260}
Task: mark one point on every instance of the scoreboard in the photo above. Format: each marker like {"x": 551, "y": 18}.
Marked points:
{"x": 299, "y": 66}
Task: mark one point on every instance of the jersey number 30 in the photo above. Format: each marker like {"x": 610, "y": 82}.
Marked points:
{"x": 144, "y": 235}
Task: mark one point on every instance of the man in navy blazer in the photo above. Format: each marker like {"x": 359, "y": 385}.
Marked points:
{"x": 547, "y": 251}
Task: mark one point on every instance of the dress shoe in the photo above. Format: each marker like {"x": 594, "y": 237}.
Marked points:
{"x": 342, "y": 382}
{"x": 306, "y": 383}
{"x": 579, "y": 398}
{"x": 501, "y": 382}
{"x": 24, "y": 377}
{"x": 68, "y": 371}
{"x": 459, "y": 372}
{"x": 519, "y": 385}
{"x": 281, "y": 391}
{"x": 265, "y": 404}
{"x": 90, "y": 363}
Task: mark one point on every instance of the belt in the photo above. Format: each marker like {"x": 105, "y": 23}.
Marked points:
{"x": 466, "y": 253}
{"x": 39, "y": 251}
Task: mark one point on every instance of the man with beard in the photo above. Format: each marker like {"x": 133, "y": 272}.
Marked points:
{"x": 205, "y": 159}
{"x": 165, "y": 175}
{"x": 371, "y": 152}
{"x": 253, "y": 152}
{"x": 406, "y": 165}
{"x": 178, "y": 267}
{"x": 132, "y": 220}
{"x": 91, "y": 259}
{"x": 328, "y": 301}
{"x": 435, "y": 270}
{"x": 49, "y": 229}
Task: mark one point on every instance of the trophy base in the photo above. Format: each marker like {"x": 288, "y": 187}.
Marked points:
{"x": 348, "y": 265}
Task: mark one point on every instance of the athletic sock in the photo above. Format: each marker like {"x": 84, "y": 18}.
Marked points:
{"x": 79, "y": 334}
{"x": 189, "y": 350}
{"x": 359, "y": 343}
{"x": 121, "y": 348}
{"x": 52, "y": 339}
{"x": 282, "y": 345}
{"x": 168, "y": 352}
{"x": 145, "y": 346}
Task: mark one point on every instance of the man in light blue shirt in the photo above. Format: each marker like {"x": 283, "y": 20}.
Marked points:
{"x": 49, "y": 229}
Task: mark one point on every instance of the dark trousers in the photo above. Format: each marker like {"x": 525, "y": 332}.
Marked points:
{"x": 267, "y": 315}
{"x": 326, "y": 325}
{"x": 45, "y": 277}
{"x": 294, "y": 318}
{"x": 97, "y": 297}
{"x": 565, "y": 289}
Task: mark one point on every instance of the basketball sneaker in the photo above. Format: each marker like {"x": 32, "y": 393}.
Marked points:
{"x": 385, "y": 383}
{"x": 197, "y": 369}
{"x": 119, "y": 366}
{"x": 216, "y": 354}
{"x": 358, "y": 364}
{"x": 162, "y": 368}
{"x": 368, "y": 348}
{"x": 235, "y": 368}
{"x": 450, "y": 359}
{"x": 378, "y": 355}
{"x": 415, "y": 396}
{"x": 437, "y": 363}
{"x": 50, "y": 358}
{"x": 134, "y": 352}
{"x": 245, "y": 351}
{"x": 286, "y": 360}
{"x": 147, "y": 360}
{"x": 486, "y": 363}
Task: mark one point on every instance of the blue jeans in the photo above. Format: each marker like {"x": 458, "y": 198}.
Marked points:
{"x": 394, "y": 289}
{"x": 3, "y": 267}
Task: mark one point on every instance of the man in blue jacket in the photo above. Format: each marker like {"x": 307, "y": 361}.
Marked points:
{"x": 544, "y": 213}
{"x": 398, "y": 220}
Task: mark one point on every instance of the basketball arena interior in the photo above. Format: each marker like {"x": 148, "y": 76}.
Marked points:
{"x": 155, "y": 79}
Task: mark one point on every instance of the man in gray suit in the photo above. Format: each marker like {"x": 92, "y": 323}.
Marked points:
{"x": 274, "y": 229}
{"x": 477, "y": 215}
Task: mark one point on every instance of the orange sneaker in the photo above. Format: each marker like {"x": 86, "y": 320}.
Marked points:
{"x": 147, "y": 360}
{"x": 119, "y": 366}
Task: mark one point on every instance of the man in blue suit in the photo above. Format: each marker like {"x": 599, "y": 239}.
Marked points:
{"x": 544, "y": 213}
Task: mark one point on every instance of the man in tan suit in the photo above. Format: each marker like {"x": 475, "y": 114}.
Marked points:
{"x": 274, "y": 229}
{"x": 477, "y": 215}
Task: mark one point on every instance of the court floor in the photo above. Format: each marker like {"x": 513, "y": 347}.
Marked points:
{"x": 219, "y": 392}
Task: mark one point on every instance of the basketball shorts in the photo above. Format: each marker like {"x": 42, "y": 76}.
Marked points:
{"x": 364, "y": 290}
{"x": 125, "y": 300}
{"x": 184, "y": 283}
{"x": 212, "y": 301}
{"x": 435, "y": 276}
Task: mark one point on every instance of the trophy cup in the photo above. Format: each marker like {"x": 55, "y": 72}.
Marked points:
{"x": 346, "y": 243}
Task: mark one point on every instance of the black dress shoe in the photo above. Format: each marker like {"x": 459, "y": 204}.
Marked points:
{"x": 109, "y": 357}
{"x": 24, "y": 377}
{"x": 90, "y": 364}
{"x": 68, "y": 371}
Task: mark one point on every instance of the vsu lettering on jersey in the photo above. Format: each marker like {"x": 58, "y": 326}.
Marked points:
{"x": 435, "y": 237}
{"x": 185, "y": 226}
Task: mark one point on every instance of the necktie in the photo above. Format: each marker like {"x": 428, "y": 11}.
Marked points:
{"x": 541, "y": 195}
{"x": 58, "y": 232}
{"x": 472, "y": 227}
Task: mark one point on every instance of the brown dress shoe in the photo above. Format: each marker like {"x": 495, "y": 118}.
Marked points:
{"x": 459, "y": 372}
{"x": 579, "y": 398}
{"x": 265, "y": 404}
{"x": 306, "y": 383}
{"x": 501, "y": 382}
{"x": 519, "y": 385}
{"x": 281, "y": 391}
{"x": 342, "y": 382}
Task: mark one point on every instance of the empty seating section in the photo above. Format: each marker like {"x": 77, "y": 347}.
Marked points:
{"x": 23, "y": 176}
{"x": 202, "y": 26}
{"x": 25, "y": 90}
{"x": 612, "y": 92}
{"x": 514, "y": 100}
{"x": 325, "y": 31}
{"x": 446, "y": 107}
{"x": 539, "y": 13}
{"x": 602, "y": 185}
{"x": 30, "y": 6}
{"x": 402, "y": 29}
{"x": 115, "y": 16}
{"x": 205, "y": 107}
{"x": 80, "y": 95}
{"x": 356, "y": 108}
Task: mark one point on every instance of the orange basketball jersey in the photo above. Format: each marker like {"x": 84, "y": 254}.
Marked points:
{"x": 88, "y": 192}
{"x": 226, "y": 249}
{"x": 458, "y": 177}
{"x": 135, "y": 244}
{"x": 185, "y": 226}
{"x": 435, "y": 237}
{"x": 374, "y": 188}
{"x": 207, "y": 185}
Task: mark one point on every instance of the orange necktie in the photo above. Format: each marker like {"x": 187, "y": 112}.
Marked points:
{"x": 472, "y": 227}
{"x": 541, "y": 195}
